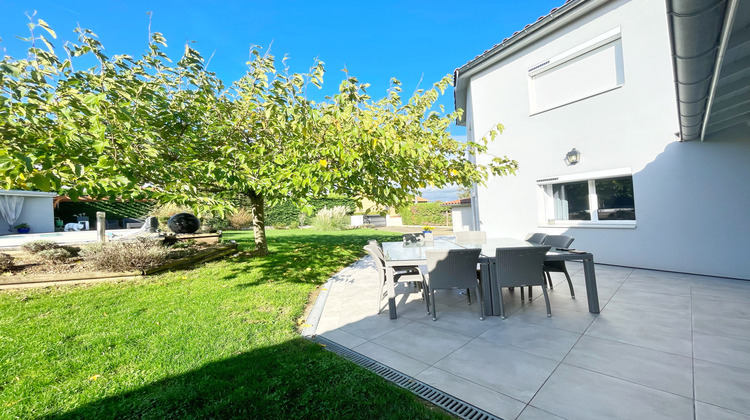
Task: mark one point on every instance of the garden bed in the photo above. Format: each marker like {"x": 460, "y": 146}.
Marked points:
{"x": 30, "y": 270}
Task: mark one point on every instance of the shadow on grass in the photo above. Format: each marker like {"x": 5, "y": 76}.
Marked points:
{"x": 295, "y": 379}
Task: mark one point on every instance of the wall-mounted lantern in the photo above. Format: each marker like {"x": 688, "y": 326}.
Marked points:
{"x": 572, "y": 157}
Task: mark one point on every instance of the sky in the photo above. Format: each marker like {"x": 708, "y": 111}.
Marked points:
{"x": 417, "y": 42}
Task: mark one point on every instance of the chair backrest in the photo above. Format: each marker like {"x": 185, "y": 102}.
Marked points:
{"x": 411, "y": 238}
{"x": 471, "y": 236}
{"x": 452, "y": 268}
{"x": 377, "y": 255}
{"x": 536, "y": 238}
{"x": 558, "y": 241}
{"x": 520, "y": 266}
{"x": 376, "y": 248}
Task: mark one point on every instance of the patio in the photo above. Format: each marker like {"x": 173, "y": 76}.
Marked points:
{"x": 665, "y": 345}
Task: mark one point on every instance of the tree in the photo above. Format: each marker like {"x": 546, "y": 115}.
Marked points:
{"x": 150, "y": 128}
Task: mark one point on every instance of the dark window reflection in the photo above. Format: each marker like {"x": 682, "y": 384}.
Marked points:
{"x": 572, "y": 201}
{"x": 615, "y": 198}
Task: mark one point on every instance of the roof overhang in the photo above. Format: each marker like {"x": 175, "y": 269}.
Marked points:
{"x": 23, "y": 193}
{"x": 711, "y": 63}
{"x": 556, "y": 19}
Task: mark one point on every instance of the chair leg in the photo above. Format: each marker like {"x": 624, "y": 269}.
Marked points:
{"x": 426, "y": 297}
{"x": 380, "y": 297}
{"x": 434, "y": 305}
{"x": 548, "y": 278}
{"x": 570, "y": 284}
{"x": 522, "y": 298}
{"x": 530, "y": 294}
{"x": 502, "y": 306}
{"x": 468, "y": 296}
{"x": 546, "y": 301}
{"x": 481, "y": 303}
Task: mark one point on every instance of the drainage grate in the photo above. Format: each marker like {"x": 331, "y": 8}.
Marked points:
{"x": 445, "y": 401}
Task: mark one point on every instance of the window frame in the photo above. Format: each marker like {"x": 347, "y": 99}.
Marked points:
{"x": 612, "y": 36}
{"x": 547, "y": 202}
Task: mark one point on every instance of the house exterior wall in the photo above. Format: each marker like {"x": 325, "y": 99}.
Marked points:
{"x": 690, "y": 198}
{"x": 37, "y": 212}
{"x": 463, "y": 219}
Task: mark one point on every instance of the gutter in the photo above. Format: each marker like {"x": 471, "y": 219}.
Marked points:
{"x": 698, "y": 34}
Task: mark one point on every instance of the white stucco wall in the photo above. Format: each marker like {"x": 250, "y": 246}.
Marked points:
{"x": 692, "y": 202}
{"x": 463, "y": 219}
{"x": 37, "y": 212}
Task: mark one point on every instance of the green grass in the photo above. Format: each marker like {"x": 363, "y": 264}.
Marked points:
{"x": 216, "y": 341}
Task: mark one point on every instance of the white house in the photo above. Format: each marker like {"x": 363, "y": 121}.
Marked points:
{"x": 461, "y": 214}
{"x": 630, "y": 120}
{"x": 31, "y": 207}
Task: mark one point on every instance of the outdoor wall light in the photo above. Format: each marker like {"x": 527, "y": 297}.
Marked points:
{"x": 572, "y": 157}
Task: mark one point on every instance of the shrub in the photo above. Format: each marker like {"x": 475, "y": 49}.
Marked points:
{"x": 331, "y": 219}
{"x": 240, "y": 219}
{"x": 39, "y": 245}
{"x": 433, "y": 214}
{"x": 214, "y": 224}
{"x": 6, "y": 262}
{"x": 55, "y": 254}
{"x": 141, "y": 254}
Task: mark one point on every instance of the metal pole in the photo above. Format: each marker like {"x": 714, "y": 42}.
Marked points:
{"x": 101, "y": 225}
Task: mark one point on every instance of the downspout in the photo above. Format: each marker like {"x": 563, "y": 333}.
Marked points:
{"x": 725, "y": 32}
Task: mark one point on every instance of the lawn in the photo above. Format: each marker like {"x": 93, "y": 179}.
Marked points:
{"x": 219, "y": 341}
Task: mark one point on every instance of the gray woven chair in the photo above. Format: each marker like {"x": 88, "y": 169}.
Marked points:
{"x": 471, "y": 237}
{"x": 452, "y": 269}
{"x": 536, "y": 238}
{"x": 521, "y": 267}
{"x": 558, "y": 241}
{"x": 410, "y": 274}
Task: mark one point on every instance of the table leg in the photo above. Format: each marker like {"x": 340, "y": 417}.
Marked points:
{"x": 485, "y": 278}
{"x": 593, "y": 294}
{"x": 391, "y": 292}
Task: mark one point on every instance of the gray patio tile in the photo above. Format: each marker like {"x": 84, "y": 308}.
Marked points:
{"x": 664, "y": 371}
{"x": 342, "y": 337}
{"x": 677, "y": 287}
{"x": 705, "y": 411}
{"x": 576, "y": 393}
{"x": 536, "y": 339}
{"x": 656, "y": 337}
{"x": 652, "y": 315}
{"x": 724, "y": 350}
{"x": 515, "y": 373}
{"x": 658, "y": 300}
{"x": 723, "y": 386}
{"x": 562, "y": 319}
{"x": 533, "y": 413}
{"x": 472, "y": 393}
{"x": 721, "y": 325}
{"x": 711, "y": 305}
{"x": 422, "y": 342}
{"x": 461, "y": 320}
{"x": 374, "y": 325}
{"x": 722, "y": 289}
{"x": 564, "y": 301}
{"x": 388, "y": 357}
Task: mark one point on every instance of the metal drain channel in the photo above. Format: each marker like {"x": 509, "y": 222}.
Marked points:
{"x": 445, "y": 401}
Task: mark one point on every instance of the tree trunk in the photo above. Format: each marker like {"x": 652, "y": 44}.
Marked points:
{"x": 259, "y": 222}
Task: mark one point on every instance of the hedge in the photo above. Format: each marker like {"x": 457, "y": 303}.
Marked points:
{"x": 286, "y": 214}
{"x": 426, "y": 214}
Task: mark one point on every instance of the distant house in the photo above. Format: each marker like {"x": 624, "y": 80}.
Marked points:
{"x": 461, "y": 214}
{"x": 421, "y": 200}
{"x": 31, "y": 207}
{"x": 630, "y": 121}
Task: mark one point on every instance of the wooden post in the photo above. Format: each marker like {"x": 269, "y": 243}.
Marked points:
{"x": 101, "y": 226}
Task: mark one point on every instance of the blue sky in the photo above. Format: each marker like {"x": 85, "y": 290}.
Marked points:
{"x": 415, "y": 42}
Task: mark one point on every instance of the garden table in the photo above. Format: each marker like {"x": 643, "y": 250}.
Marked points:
{"x": 399, "y": 254}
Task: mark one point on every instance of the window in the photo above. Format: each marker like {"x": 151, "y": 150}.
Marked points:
{"x": 581, "y": 72}
{"x": 598, "y": 199}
